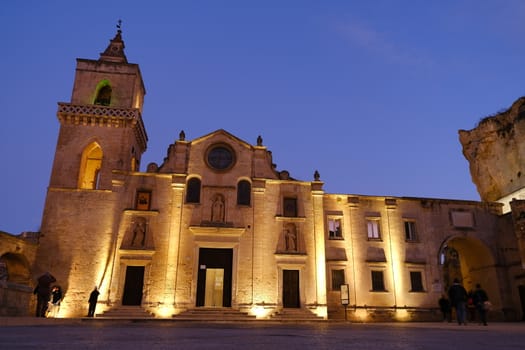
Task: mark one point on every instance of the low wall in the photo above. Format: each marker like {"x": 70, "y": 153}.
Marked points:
{"x": 16, "y": 299}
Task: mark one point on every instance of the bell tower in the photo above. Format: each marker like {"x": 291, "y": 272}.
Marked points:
{"x": 101, "y": 129}
{"x": 100, "y": 143}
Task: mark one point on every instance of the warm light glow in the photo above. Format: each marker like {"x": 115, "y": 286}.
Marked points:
{"x": 260, "y": 312}
{"x": 90, "y": 166}
{"x": 361, "y": 314}
{"x": 402, "y": 315}
{"x": 165, "y": 311}
{"x": 321, "y": 311}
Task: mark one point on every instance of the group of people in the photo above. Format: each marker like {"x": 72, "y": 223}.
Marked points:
{"x": 49, "y": 298}
{"x": 458, "y": 300}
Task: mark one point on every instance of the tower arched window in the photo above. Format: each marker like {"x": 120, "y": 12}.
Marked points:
{"x": 193, "y": 191}
{"x": 89, "y": 175}
{"x": 244, "y": 189}
{"x": 104, "y": 96}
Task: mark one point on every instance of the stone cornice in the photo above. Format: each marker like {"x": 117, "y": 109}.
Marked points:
{"x": 102, "y": 116}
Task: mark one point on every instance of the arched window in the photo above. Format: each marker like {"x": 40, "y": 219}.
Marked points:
{"x": 103, "y": 94}
{"x": 193, "y": 191}
{"x": 90, "y": 167}
{"x": 244, "y": 189}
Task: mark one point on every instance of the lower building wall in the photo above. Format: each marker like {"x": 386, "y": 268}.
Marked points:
{"x": 381, "y": 314}
{"x": 16, "y": 300}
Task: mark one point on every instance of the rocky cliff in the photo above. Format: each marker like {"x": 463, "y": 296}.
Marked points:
{"x": 495, "y": 150}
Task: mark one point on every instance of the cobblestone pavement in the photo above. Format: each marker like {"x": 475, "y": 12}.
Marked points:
{"x": 192, "y": 335}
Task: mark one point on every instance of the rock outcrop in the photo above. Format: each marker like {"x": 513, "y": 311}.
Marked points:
{"x": 495, "y": 150}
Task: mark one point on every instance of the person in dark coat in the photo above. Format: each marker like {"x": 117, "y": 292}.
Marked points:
{"x": 479, "y": 298}
{"x": 93, "y": 297}
{"x": 56, "y": 298}
{"x": 444, "y": 306}
{"x": 458, "y": 299}
{"x": 43, "y": 293}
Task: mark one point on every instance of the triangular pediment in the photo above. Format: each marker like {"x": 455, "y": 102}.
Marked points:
{"x": 221, "y": 134}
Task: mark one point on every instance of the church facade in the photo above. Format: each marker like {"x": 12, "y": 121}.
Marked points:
{"x": 217, "y": 225}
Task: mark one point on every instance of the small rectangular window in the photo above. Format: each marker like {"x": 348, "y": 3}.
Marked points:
{"x": 338, "y": 278}
{"x": 416, "y": 281}
{"x": 378, "y": 284}
{"x": 334, "y": 228}
{"x": 410, "y": 230}
{"x": 373, "y": 228}
{"x": 290, "y": 207}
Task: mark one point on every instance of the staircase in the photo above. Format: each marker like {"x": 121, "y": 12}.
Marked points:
{"x": 215, "y": 314}
{"x": 295, "y": 315}
{"x": 126, "y": 312}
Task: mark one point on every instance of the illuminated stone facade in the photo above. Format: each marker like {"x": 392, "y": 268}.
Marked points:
{"x": 17, "y": 255}
{"x": 217, "y": 225}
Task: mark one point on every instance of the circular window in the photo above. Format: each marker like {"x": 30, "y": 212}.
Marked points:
{"x": 220, "y": 157}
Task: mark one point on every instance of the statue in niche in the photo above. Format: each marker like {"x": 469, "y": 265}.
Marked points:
{"x": 217, "y": 209}
{"x": 290, "y": 238}
{"x": 139, "y": 232}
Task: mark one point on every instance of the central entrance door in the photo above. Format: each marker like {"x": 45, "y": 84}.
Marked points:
{"x": 133, "y": 285}
{"x": 291, "y": 289}
{"x": 214, "y": 279}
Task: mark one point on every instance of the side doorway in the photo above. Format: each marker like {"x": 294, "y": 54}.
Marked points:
{"x": 291, "y": 289}
{"x": 133, "y": 286}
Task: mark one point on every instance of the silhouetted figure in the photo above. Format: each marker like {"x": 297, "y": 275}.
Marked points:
{"x": 56, "y": 298}
{"x": 458, "y": 298}
{"x": 93, "y": 297}
{"x": 479, "y": 297}
{"x": 43, "y": 293}
{"x": 444, "y": 306}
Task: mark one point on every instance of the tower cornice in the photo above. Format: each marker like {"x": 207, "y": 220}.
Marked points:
{"x": 102, "y": 116}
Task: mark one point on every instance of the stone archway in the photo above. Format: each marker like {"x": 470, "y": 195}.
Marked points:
{"x": 16, "y": 292}
{"x": 471, "y": 261}
{"x": 15, "y": 268}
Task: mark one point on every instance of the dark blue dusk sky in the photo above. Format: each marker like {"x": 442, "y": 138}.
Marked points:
{"x": 370, "y": 93}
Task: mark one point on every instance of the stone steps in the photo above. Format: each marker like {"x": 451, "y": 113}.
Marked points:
{"x": 296, "y": 315}
{"x": 214, "y": 314}
{"x": 126, "y": 312}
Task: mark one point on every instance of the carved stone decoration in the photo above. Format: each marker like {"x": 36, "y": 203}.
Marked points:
{"x": 290, "y": 238}
{"x": 217, "y": 208}
{"x": 139, "y": 231}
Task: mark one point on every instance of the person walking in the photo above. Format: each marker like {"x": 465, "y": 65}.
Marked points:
{"x": 458, "y": 298}
{"x": 93, "y": 297}
{"x": 479, "y": 298}
{"x": 444, "y": 306}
